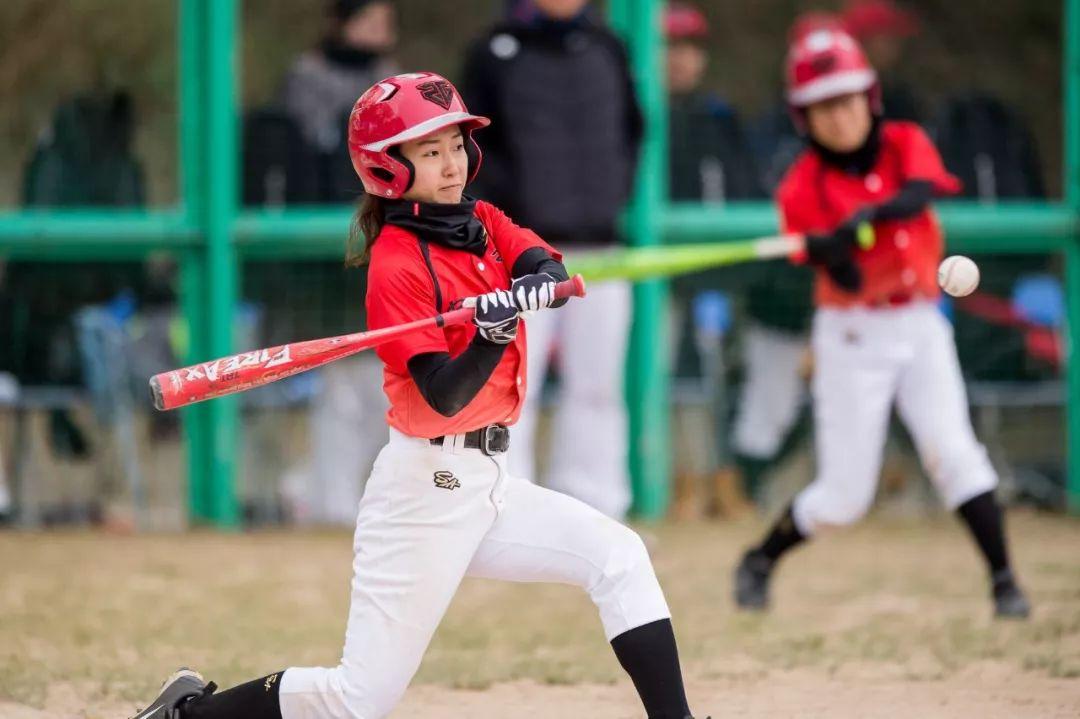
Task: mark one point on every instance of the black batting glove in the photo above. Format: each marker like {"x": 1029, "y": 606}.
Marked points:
{"x": 838, "y": 246}
{"x": 496, "y": 317}
{"x": 846, "y": 274}
{"x": 829, "y": 249}
{"x": 533, "y": 292}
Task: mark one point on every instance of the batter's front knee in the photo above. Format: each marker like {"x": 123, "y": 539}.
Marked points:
{"x": 624, "y": 587}
{"x": 823, "y": 505}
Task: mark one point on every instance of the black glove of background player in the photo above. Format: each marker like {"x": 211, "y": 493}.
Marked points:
{"x": 835, "y": 251}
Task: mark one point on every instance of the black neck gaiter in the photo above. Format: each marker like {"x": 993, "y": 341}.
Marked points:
{"x": 348, "y": 56}
{"x": 857, "y": 162}
{"x": 450, "y": 225}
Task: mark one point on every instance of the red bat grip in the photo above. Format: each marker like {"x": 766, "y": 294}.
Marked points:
{"x": 252, "y": 369}
{"x": 573, "y": 287}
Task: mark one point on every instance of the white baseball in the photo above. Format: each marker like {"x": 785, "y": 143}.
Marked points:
{"x": 958, "y": 275}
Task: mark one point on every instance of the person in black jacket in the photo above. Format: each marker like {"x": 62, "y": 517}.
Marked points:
{"x": 561, "y": 159}
{"x": 710, "y": 159}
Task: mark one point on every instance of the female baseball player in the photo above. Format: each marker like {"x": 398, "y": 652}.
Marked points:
{"x": 440, "y": 505}
{"x": 878, "y": 336}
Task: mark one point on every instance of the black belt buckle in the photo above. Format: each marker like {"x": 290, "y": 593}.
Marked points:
{"x": 494, "y": 439}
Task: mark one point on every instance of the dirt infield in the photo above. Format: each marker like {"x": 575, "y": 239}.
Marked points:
{"x": 888, "y": 620}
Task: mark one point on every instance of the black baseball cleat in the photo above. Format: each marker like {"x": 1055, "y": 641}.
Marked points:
{"x": 752, "y": 581}
{"x": 180, "y": 688}
{"x": 1009, "y": 599}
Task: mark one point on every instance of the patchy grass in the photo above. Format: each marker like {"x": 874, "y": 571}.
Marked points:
{"x": 91, "y": 623}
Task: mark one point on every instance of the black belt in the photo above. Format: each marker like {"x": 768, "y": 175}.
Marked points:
{"x": 493, "y": 439}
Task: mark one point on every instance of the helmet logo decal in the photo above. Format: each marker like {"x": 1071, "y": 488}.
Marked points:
{"x": 439, "y": 92}
{"x": 823, "y": 63}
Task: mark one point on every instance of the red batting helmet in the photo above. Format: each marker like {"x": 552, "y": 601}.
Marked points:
{"x": 397, "y": 110}
{"x": 825, "y": 64}
{"x": 683, "y": 21}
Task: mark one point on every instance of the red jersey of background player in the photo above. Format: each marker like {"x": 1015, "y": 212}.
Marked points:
{"x": 415, "y": 280}
{"x": 816, "y": 197}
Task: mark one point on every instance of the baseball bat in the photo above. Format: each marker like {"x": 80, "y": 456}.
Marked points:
{"x": 641, "y": 263}
{"x": 239, "y": 372}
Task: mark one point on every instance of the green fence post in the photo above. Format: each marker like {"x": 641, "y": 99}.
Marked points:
{"x": 648, "y": 394}
{"x": 1071, "y": 119}
{"x": 618, "y": 14}
{"x": 192, "y": 103}
{"x": 222, "y": 284}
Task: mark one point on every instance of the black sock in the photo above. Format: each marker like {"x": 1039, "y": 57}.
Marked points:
{"x": 256, "y": 699}
{"x": 982, "y": 515}
{"x": 649, "y": 655}
{"x": 783, "y": 536}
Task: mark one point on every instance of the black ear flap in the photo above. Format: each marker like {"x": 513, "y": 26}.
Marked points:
{"x": 472, "y": 152}
{"x": 395, "y": 152}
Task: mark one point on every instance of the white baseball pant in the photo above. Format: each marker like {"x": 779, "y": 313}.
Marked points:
{"x": 589, "y": 444}
{"x": 773, "y": 392}
{"x": 416, "y": 538}
{"x": 864, "y": 360}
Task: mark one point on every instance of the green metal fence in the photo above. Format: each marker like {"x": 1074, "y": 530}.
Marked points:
{"x": 212, "y": 235}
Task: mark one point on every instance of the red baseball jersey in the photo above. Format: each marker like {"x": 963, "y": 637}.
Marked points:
{"x": 405, "y": 285}
{"x": 817, "y": 198}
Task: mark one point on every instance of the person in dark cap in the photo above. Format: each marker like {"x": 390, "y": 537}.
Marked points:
{"x": 323, "y": 83}
{"x": 347, "y": 420}
{"x": 709, "y": 157}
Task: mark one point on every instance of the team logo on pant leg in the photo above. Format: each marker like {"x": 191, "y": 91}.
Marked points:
{"x": 446, "y": 480}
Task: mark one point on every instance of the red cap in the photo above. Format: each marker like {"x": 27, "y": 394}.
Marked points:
{"x": 871, "y": 18}
{"x": 811, "y": 21}
{"x": 683, "y": 21}
{"x": 397, "y": 110}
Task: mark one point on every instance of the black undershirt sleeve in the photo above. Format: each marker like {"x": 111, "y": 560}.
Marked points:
{"x": 448, "y": 385}
{"x": 537, "y": 260}
{"x": 911, "y": 200}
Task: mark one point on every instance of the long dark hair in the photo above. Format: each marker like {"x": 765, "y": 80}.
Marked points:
{"x": 367, "y": 223}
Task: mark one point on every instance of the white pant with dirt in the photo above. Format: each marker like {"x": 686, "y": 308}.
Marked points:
{"x": 431, "y": 515}
{"x": 589, "y": 443}
{"x": 864, "y": 359}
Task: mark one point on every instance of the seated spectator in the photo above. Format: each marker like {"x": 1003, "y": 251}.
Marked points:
{"x": 85, "y": 156}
